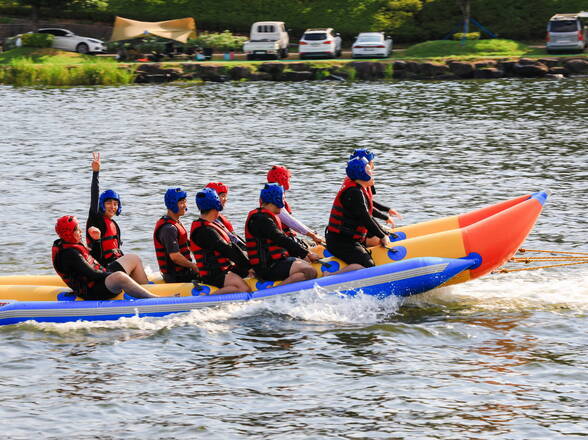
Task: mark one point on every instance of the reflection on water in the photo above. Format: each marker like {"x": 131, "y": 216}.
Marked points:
{"x": 501, "y": 357}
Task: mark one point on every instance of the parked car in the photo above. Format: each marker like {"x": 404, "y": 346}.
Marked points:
{"x": 371, "y": 44}
{"x": 67, "y": 40}
{"x": 267, "y": 39}
{"x": 319, "y": 42}
{"x": 565, "y": 32}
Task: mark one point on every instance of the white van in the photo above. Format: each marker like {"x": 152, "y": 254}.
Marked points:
{"x": 565, "y": 32}
{"x": 268, "y": 39}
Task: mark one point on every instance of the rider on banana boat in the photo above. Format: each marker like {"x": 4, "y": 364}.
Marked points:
{"x": 223, "y": 193}
{"x": 103, "y": 233}
{"x": 221, "y": 262}
{"x": 351, "y": 219}
{"x": 273, "y": 254}
{"x": 83, "y": 273}
{"x": 281, "y": 175}
{"x": 380, "y": 211}
{"x": 172, "y": 246}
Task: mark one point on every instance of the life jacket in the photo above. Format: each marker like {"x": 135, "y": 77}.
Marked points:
{"x": 166, "y": 265}
{"x": 209, "y": 260}
{"x": 259, "y": 249}
{"x": 78, "y": 283}
{"x": 341, "y": 221}
{"x": 226, "y": 223}
{"x": 110, "y": 241}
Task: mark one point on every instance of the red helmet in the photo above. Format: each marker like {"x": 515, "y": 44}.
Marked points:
{"x": 280, "y": 175}
{"x": 219, "y": 187}
{"x": 65, "y": 227}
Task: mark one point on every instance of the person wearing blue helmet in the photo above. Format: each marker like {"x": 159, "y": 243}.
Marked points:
{"x": 351, "y": 219}
{"x": 273, "y": 254}
{"x": 380, "y": 211}
{"x": 220, "y": 261}
{"x": 103, "y": 233}
{"x": 171, "y": 241}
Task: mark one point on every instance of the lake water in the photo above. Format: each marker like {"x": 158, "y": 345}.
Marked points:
{"x": 501, "y": 357}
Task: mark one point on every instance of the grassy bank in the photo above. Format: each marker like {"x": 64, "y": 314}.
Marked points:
{"x": 471, "y": 48}
{"x": 29, "y": 66}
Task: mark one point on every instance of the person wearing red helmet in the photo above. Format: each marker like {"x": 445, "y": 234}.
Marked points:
{"x": 281, "y": 175}
{"x": 223, "y": 193}
{"x": 273, "y": 254}
{"x": 103, "y": 232}
{"x": 82, "y": 272}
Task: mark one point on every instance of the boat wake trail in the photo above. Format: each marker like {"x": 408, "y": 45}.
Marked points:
{"x": 542, "y": 289}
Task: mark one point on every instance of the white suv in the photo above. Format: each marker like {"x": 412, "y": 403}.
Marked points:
{"x": 67, "y": 40}
{"x": 319, "y": 42}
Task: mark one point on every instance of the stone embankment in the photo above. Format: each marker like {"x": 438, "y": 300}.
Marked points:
{"x": 365, "y": 70}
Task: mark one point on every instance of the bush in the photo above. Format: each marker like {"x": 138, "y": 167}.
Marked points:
{"x": 224, "y": 41}
{"x": 468, "y": 36}
{"x": 37, "y": 40}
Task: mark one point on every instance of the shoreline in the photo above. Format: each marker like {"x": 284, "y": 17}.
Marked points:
{"x": 368, "y": 70}
{"x": 296, "y": 71}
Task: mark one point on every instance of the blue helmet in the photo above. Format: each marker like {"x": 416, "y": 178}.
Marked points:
{"x": 356, "y": 169}
{"x": 172, "y": 197}
{"x": 107, "y": 195}
{"x": 363, "y": 152}
{"x": 272, "y": 193}
{"x": 208, "y": 199}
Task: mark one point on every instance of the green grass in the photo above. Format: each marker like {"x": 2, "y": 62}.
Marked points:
{"x": 50, "y": 56}
{"x": 29, "y": 67}
{"x": 473, "y": 48}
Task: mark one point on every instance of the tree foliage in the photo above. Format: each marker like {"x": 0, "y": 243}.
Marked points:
{"x": 404, "y": 20}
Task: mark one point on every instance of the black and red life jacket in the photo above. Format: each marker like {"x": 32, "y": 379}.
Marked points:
{"x": 110, "y": 241}
{"x": 78, "y": 283}
{"x": 258, "y": 249}
{"x": 343, "y": 222}
{"x": 166, "y": 265}
{"x": 226, "y": 223}
{"x": 206, "y": 259}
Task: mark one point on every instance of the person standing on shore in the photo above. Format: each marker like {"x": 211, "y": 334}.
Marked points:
{"x": 82, "y": 273}
{"x": 171, "y": 241}
{"x": 103, "y": 233}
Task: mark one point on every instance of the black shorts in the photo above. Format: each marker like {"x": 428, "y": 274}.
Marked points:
{"x": 278, "y": 271}
{"x": 348, "y": 250}
{"x": 98, "y": 292}
{"x": 181, "y": 277}
{"x": 115, "y": 266}
{"x": 216, "y": 279}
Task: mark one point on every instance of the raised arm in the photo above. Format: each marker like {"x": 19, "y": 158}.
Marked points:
{"x": 95, "y": 188}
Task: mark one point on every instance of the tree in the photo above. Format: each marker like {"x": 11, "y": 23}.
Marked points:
{"x": 54, "y": 5}
{"x": 465, "y": 7}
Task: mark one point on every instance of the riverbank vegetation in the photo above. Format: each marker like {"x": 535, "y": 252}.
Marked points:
{"x": 404, "y": 20}
{"x": 470, "y": 48}
{"x": 26, "y": 66}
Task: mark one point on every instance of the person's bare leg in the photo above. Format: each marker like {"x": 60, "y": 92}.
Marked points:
{"x": 233, "y": 284}
{"x": 117, "y": 281}
{"x": 133, "y": 266}
{"x": 300, "y": 271}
